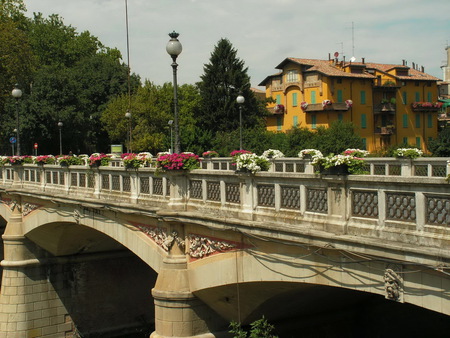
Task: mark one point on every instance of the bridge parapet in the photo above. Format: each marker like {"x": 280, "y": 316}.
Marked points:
{"x": 408, "y": 209}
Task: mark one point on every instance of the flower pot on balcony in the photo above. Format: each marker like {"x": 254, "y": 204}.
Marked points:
{"x": 336, "y": 170}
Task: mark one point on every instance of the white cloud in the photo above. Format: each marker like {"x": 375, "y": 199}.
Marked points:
{"x": 264, "y": 32}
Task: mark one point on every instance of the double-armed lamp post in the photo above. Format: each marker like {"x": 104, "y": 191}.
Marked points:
{"x": 174, "y": 49}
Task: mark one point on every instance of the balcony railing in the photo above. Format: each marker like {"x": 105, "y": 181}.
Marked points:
{"x": 385, "y": 108}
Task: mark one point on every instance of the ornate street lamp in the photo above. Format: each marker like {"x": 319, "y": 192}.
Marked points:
{"x": 240, "y": 100}
{"x": 60, "y": 125}
{"x": 128, "y": 116}
{"x": 174, "y": 49}
{"x": 17, "y": 94}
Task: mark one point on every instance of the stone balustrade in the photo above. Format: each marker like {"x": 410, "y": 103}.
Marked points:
{"x": 400, "y": 201}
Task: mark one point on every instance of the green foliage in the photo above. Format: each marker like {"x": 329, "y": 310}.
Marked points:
{"x": 224, "y": 78}
{"x": 151, "y": 109}
{"x": 258, "y": 329}
{"x": 441, "y": 145}
{"x": 338, "y": 137}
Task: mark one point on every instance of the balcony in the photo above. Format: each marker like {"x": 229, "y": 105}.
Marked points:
{"x": 385, "y": 131}
{"x": 382, "y": 108}
{"x": 426, "y": 106}
{"x": 316, "y": 107}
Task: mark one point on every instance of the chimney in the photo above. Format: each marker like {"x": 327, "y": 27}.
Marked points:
{"x": 422, "y": 69}
{"x": 403, "y": 62}
{"x": 414, "y": 65}
{"x": 363, "y": 60}
{"x": 329, "y": 56}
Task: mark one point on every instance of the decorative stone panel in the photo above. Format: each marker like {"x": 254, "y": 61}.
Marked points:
{"x": 145, "y": 185}
{"x": 317, "y": 200}
{"x": 395, "y": 170}
{"x": 401, "y": 207}
{"x": 266, "y": 195}
{"x": 196, "y": 190}
{"x": 213, "y": 191}
{"x": 115, "y": 182}
{"x": 105, "y": 182}
{"x": 232, "y": 192}
{"x": 157, "y": 186}
{"x": 379, "y": 169}
{"x": 421, "y": 170}
{"x": 90, "y": 180}
{"x": 365, "y": 203}
{"x": 438, "y": 171}
{"x": 126, "y": 183}
{"x": 290, "y": 197}
{"x": 438, "y": 210}
{"x": 300, "y": 167}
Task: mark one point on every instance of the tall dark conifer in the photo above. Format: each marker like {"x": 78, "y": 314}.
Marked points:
{"x": 225, "y": 76}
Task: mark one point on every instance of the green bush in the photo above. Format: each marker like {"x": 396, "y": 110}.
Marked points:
{"x": 258, "y": 329}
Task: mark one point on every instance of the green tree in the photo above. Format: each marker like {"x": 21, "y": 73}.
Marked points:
{"x": 441, "y": 145}
{"x": 74, "y": 79}
{"x": 224, "y": 78}
{"x": 337, "y": 138}
{"x": 151, "y": 111}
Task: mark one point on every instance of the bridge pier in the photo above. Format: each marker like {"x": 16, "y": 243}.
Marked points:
{"x": 179, "y": 313}
{"x": 29, "y": 304}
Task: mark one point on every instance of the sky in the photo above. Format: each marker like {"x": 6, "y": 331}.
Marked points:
{"x": 263, "y": 32}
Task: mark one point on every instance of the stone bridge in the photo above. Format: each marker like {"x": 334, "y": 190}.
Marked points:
{"x": 108, "y": 251}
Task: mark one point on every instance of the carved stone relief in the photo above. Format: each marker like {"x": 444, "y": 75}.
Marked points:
{"x": 393, "y": 283}
{"x": 204, "y": 246}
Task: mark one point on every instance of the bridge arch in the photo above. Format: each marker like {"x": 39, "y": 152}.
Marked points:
{"x": 270, "y": 269}
{"x": 70, "y": 230}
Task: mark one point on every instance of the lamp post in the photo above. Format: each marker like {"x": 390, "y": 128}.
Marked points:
{"x": 174, "y": 49}
{"x": 17, "y": 94}
{"x": 128, "y": 116}
{"x": 60, "y": 125}
{"x": 170, "y": 123}
{"x": 240, "y": 100}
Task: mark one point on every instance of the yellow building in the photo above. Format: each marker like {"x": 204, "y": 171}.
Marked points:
{"x": 389, "y": 104}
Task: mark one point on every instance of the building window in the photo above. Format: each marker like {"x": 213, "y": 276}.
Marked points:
{"x": 292, "y": 75}
{"x": 418, "y": 142}
{"x": 295, "y": 121}
{"x": 417, "y": 96}
{"x": 313, "y": 121}
{"x": 429, "y": 96}
{"x": 340, "y": 97}
{"x": 278, "y": 99}
{"x": 279, "y": 123}
{"x": 405, "y": 120}
{"x": 363, "y": 121}
{"x": 405, "y": 98}
{"x": 430, "y": 121}
{"x": 340, "y": 117}
{"x": 313, "y": 96}
{"x": 405, "y": 141}
{"x": 363, "y": 97}
{"x": 294, "y": 99}
{"x": 417, "y": 120}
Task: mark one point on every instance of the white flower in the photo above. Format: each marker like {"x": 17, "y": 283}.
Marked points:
{"x": 272, "y": 153}
{"x": 311, "y": 152}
